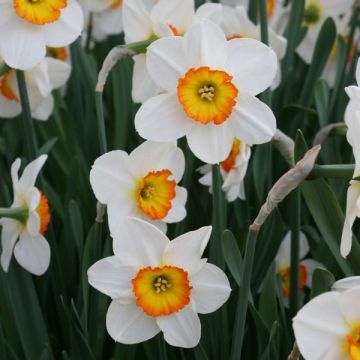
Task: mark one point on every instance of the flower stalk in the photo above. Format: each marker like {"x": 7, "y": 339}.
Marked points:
{"x": 18, "y": 213}
{"x": 295, "y": 249}
{"x": 28, "y": 127}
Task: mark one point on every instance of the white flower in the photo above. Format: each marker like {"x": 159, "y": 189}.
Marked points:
{"x": 233, "y": 171}
{"x": 106, "y": 17}
{"x": 211, "y": 86}
{"x": 158, "y": 285}
{"x": 352, "y": 120}
{"x": 328, "y": 327}
{"x": 143, "y": 184}
{"x": 236, "y": 24}
{"x": 316, "y": 12}
{"x": 346, "y": 284}
{"x": 47, "y": 75}
{"x": 27, "y": 27}
{"x": 306, "y": 267}
{"x": 145, "y": 19}
{"x": 277, "y": 13}
{"x": 32, "y": 251}
{"x": 330, "y": 70}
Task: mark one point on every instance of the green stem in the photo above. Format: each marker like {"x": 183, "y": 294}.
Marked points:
{"x": 100, "y": 122}
{"x": 89, "y": 32}
{"x": 28, "y": 126}
{"x": 218, "y": 220}
{"x": 344, "y": 171}
{"x": 140, "y": 46}
{"x": 264, "y": 22}
{"x": 3, "y": 69}
{"x": 294, "y": 259}
{"x": 18, "y": 213}
{"x": 243, "y": 299}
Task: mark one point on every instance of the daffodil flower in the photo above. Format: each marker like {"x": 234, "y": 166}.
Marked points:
{"x": 233, "y": 171}
{"x": 28, "y": 26}
{"x": 25, "y": 223}
{"x": 346, "y": 283}
{"x": 328, "y": 327}
{"x": 211, "y": 86}
{"x": 316, "y": 12}
{"x": 352, "y": 120}
{"x": 47, "y": 75}
{"x": 277, "y": 13}
{"x": 158, "y": 285}
{"x": 143, "y": 184}
{"x": 343, "y": 29}
{"x": 306, "y": 267}
{"x": 144, "y": 19}
{"x": 236, "y": 24}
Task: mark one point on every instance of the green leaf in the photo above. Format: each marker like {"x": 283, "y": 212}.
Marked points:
{"x": 322, "y": 98}
{"x": 323, "y": 48}
{"x": 268, "y": 303}
{"x": 26, "y": 311}
{"x": 328, "y": 216}
{"x": 232, "y": 255}
{"x": 76, "y": 225}
{"x": 300, "y": 146}
{"x": 293, "y": 33}
{"x": 322, "y": 281}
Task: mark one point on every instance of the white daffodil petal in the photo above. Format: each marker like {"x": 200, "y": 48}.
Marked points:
{"x": 10, "y": 232}
{"x": 210, "y": 289}
{"x": 351, "y": 211}
{"x": 33, "y": 224}
{"x": 282, "y": 257}
{"x": 166, "y": 62}
{"x": 211, "y": 143}
{"x": 346, "y": 284}
{"x": 252, "y": 64}
{"x": 252, "y": 121}
{"x": 143, "y": 86}
{"x": 112, "y": 279}
{"x": 129, "y": 324}
{"x": 157, "y": 156}
{"x": 209, "y": 11}
{"x": 349, "y": 304}
{"x": 161, "y": 118}
{"x": 205, "y": 45}
{"x": 176, "y": 13}
{"x": 110, "y": 174}
{"x": 140, "y": 244}
{"x": 185, "y": 251}
{"x": 67, "y": 28}
{"x": 182, "y": 329}
{"x": 59, "y": 72}
{"x": 318, "y": 325}
{"x": 27, "y": 43}
{"x": 32, "y": 253}
{"x": 31, "y": 172}
{"x": 14, "y": 173}
{"x": 177, "y": 211}
{"x": 310, "y": 266}
{"x": 136, "y": 21}
{"x": 44, "y": 110}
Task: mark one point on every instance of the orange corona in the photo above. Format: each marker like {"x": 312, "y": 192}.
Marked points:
{"x": 58, "y": 53}
{"x": 207, "y": 95}
{"x": 6, "y": 86}
{"x": 161, "y": 291}
{"x": 39, "y": 12}
{"x": 230, "y": 162}
{"x": 285, "y": 278}
{"x": 155, "y": 193}
{"x": 44, "y": 213}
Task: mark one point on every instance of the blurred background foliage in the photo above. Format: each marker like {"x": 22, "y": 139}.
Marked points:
{"x": 58, "y": 316}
